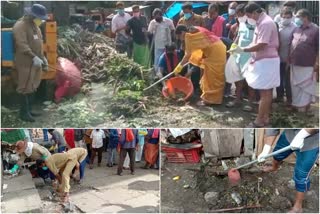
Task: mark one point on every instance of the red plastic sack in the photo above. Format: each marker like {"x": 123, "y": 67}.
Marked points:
{"x": 68, "y": 79}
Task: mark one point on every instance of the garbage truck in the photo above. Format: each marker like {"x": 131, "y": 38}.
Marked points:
{"x": 8, "y": 74}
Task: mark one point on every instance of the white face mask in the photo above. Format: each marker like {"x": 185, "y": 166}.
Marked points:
{"x": 285, "y": 22}
{"x": 242, "y": 19}
{"x": 231, "y": 12}
{"x": 252, "y": 21}
{"x": 28, "y": 150}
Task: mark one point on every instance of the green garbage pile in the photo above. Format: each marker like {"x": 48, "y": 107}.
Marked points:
{"x": 112, "y": 83}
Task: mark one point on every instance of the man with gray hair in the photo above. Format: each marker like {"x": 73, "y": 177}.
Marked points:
{"x": 161, "y": 28}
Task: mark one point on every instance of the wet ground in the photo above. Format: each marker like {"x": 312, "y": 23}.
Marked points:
{"x": 275, "y": 193}
{"x": 98, "y": 108}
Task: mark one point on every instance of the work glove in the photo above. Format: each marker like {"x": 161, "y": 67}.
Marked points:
{"x": 37, "y": 62}
{"x": 298, "y": 140}
{"x": 14, "y": 169}
{"x": 235, "y": 49}
{"x": 265, "y": 151}
{"x": 178, "y": 69}
{"x": 45, "y": 64}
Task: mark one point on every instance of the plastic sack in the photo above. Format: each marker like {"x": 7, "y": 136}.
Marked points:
{"x": 232, "y": 70}
{"x": 68, "y": 79}
{"x": 178, "y": 132}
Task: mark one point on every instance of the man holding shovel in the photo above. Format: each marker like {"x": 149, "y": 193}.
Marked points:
{"x": 305, "y": 143}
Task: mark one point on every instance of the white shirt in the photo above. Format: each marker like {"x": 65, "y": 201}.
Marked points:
{"x": 161, "y": 32}
{"x": 119, "y": 22}
{"x": 97, "y": 138}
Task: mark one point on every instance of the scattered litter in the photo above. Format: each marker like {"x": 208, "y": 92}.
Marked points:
{"x": 259, "y": 182}
{"x": 211, "y": 197}
{"x": 291, "y": 184}
{"x": 176, "y": 178}
{"x": 68, "y": 207}
{"x": 224, "y": 165}
{"x": 236, "y": 197}
{"x": 277, "y": 192}
{"x": 186, "y": 186}
{"x": 5, "y": 186}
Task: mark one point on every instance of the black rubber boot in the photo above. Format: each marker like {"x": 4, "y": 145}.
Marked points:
{"x": 24, "y": 109}
{"x": 31, "y": 99}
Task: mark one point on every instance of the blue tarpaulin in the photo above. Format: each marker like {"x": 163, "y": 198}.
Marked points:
{"x": 175, "y": 8}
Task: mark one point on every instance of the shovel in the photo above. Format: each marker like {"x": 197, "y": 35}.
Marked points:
{"x": 160, "y": 80}
{"x": 234, "y": 175}
{"x": 163, "y": 78}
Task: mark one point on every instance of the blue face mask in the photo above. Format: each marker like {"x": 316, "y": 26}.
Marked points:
{"x": 298, "y": 21}
{"x": 120, "y": 12}
{"x": 187, "y": 15}
{"x": 45, "y": 168}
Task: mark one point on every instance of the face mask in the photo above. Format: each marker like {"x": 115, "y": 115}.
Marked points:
{"x": 251, "y": 21}
{"x": 136, "y": 14}
{"x": 45, "y": 168}
{"x": 37, "y": 22}
{"x": 285, "y": 22}
{"x": 231, "y": 12}
{"x": 187, "y": 16}
{"x": 242, "y": 19}
{"x": 121, "y": 12}
{"x": 298, "y": 21}
{"x": 159, "y": 19}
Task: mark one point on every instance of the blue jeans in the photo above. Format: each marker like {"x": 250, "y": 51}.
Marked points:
{"x": 45, "y": 135}
{"x": 157, "y": 54}
{"x": 82, "y": 168}
{"x": 111, "y": 155}
{"x": 304, "y": 163}
{"x": 61, "y": 149}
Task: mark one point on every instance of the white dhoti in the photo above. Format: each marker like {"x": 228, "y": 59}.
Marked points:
{"x": 232, "y": 70}
{"x": 139, "y": 152}
{"x": 303, "y": 86}
{"x": 263, "y": 74}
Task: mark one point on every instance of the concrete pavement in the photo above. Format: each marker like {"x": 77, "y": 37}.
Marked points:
{"x": 101, "y": 191}
{"x": 107, "y": 192}
{"x": 20, "y": 195}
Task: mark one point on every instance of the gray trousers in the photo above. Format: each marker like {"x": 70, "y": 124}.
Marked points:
{"x": 111, "y": 155}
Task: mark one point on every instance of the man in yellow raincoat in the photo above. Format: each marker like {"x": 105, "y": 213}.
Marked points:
{"x": 207, "y": 51}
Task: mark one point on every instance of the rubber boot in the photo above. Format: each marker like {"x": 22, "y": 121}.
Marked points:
{"x": 24, "y": 109}
{"x": 31, "y": 102}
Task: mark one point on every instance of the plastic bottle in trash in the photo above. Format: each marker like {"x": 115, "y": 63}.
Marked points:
{"x": 236, "y": 197}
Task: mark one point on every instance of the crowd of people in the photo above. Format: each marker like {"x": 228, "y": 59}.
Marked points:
{"x": 72, "y": 149}
{"x": 245, "y": 47}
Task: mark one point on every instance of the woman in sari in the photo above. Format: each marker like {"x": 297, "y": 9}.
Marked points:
{"x": 204, "y": 49}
